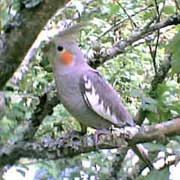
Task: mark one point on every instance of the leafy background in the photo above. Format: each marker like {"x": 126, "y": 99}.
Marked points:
{"x": 130, "y": 74}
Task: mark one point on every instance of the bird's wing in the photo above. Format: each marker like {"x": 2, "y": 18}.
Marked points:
{"x": 103, "y": 99}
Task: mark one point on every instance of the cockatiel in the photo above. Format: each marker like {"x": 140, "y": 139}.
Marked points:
{"x": 83, "y": 91}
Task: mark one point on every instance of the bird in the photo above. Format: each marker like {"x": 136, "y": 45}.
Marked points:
{"x": 84, "y": 92}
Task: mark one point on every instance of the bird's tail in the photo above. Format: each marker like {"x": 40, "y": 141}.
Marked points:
{"x": 139, "y": 150}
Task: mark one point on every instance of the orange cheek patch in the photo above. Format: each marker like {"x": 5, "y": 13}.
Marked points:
{"x": 66, "y": 58}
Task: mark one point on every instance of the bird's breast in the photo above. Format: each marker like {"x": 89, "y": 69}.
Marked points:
{"x": 69, "y": 91}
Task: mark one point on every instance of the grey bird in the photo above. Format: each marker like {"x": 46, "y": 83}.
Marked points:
{"x": 87, "y": 96}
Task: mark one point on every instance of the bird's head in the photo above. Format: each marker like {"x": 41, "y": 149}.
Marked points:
{"x": 68, "y": 53}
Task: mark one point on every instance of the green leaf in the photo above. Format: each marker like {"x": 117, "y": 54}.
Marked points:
{"x": 173, "y": 48}
{"x": 149, "y": 104}
{"x": 161, "y": 89}
{"x": 176, "y": 62}
{"x": 154, "y": 147}
{"x": 169, "y": 9}
{"x": 136, "y": 93}
{"x": 114, "y": 8}
{"x": 149, "y": 14}
{"x": 160, "y": 175}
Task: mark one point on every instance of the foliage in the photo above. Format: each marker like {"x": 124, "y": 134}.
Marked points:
{"x": 130, "y": 74}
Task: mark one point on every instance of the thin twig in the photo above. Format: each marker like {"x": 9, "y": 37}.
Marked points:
{"x": 177, "y": 4}
{"x": 153, "y": 52}
{"x": 129, "y": 17}
{"x": 120, "y": 21}
{"x": 120, "y": 46}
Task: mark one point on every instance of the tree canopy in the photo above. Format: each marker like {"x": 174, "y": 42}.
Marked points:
{"x": 134, "y": 44}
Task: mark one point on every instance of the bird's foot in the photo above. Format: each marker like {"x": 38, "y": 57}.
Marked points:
{"x": 97, "y": 134}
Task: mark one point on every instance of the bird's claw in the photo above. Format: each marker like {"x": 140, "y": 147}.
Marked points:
{"x": 97, "y": 134}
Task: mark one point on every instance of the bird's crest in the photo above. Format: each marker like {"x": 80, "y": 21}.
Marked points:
{"x": 70, "y": 34}
{"x": 66, "y": 39}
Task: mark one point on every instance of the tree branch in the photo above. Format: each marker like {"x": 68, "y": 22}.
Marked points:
{"x": 45, "y": 37}
{"x": 121, "y": 21}
{"x": 27, "y": 149}
{"x": 69, "y": 146}
{"x": 120, "y": 46}
{"x": 20, "y": 38}
{"x": 154, "y": 132}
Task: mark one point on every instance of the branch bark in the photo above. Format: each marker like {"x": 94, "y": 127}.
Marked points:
{"x": 46, "y": 104}
{"x": 120, "y": 46}
{"x": 18, "y": 150}
{"x": 69, "y": 146}
{"x": 19, "y": 39}
{"x": 45, "y": 37}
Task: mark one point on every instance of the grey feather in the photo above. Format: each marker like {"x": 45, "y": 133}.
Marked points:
{"x": 107, "y": 97}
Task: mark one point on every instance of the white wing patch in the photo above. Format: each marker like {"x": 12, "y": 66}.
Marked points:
{"x": 96, "y": 102}
{"x": 88, "y": 84}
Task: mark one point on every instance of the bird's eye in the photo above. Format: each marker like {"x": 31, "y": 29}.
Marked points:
{"x": 60, "y": 48}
